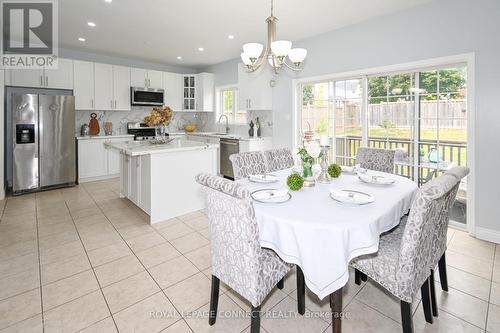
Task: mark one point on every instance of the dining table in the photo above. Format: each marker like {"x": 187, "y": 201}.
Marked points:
{"x": 321, "y": 235}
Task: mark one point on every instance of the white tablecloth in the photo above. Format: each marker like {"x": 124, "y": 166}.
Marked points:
{"x": 322, "y": 235}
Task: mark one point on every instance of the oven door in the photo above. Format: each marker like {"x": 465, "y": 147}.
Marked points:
{"x": 146, "y": 96}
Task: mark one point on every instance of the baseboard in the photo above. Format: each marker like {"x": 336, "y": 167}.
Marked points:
{"x": 489, "y": 235}
{"x": 94, "y": 179}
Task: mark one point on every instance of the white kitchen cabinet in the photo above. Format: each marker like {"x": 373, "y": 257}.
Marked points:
{"x": 83, "y": 85}
{"x": 103, "y": 86}
{"x": 92, "y": 159}
{"x": 155, "y": 79}
{"x": 172, "y": 84}
{"x": 146, "y": 78}
{"x": 189, "y": 93}
{"x": 254, "y": 89}
{"x": 96, "y": 160}
{"x": 256, "y": 145}
{"x": 136, "y": 180}
{"x": 121, "y": 88}
{"x": 25, "y": 78}
{"x": 205, "y": 92}
{"x": 60, "y": 78}
{"x": 112, "y": 87}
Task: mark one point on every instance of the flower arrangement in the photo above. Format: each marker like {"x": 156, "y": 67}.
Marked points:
{"x": 159, "y": 116}
{"x": 308, "y": 153}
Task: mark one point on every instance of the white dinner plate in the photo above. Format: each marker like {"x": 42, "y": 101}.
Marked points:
{"x": 266, "y": 178}
{"x": 376, "y": 179}
{"x": 271, "y": 196}
{"x": 351, "y": 197}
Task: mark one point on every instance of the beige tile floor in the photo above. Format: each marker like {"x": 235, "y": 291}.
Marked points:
{"x": 82, "y": 259}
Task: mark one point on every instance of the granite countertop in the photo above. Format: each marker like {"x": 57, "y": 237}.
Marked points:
{"x": 137, "y": 148}
{"x": 114, "y": 136}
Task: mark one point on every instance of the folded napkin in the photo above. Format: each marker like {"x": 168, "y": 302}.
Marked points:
{"x": 266, "y": 178}
{"x": 269, "y": 194}
{"x": 376, "y": 179}
{"x": 352, "y": 197}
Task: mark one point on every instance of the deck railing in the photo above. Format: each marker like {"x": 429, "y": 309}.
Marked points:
{"x": 449, "y": 151}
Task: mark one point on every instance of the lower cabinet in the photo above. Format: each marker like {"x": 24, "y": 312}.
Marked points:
{"x": 96, "y": 161}
{"x": 135, "y": 181}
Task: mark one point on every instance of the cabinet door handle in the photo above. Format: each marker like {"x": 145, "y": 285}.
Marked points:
{"x": 46, "y": 81}
{"x": 92, "y": 103}
{"x": 115, "y": 103}
{"x": 111, "y": 103}
{"x": 41, "y": 80}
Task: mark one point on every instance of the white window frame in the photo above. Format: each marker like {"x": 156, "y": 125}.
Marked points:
{"x": 466, "y": 59}
{"x": 219, "y": 104}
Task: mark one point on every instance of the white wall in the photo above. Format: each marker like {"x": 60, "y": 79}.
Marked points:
{"x": 437, "y": 29}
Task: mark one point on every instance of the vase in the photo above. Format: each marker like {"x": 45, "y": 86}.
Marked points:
{"x": 160, "y": 131}
{"x": 308, "y": 175}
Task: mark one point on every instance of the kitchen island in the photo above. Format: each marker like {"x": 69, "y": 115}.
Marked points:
{"x": 159, "y": 178}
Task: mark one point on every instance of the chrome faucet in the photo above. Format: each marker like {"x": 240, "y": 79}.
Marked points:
{"x": 227, "y": 122}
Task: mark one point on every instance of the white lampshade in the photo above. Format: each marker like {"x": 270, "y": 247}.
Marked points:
{"x": 281, "y": 48}
{"x": 246, "y": 59}
{"x": 253, "y": 50}
{"x": 297, "y": 55}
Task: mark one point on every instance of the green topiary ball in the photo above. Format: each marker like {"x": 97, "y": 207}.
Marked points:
{"x": 295, "y": 181}
{"x": 334, "y": 170}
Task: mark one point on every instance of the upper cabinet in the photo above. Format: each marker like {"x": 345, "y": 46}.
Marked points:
{"x": 205, "y": 92}
{"x": 112, "y": 87}
{"x": 60, "y": 78}
{"x": 254, "y": 89}
{"x": 173, "y": 86}
{"x": 146, "y": 78}
{"x": 83, "y": 85}
{"x": 198, "y": 92}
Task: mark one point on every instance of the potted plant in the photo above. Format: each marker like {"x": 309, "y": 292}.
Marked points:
{"x": 308, "y": 154}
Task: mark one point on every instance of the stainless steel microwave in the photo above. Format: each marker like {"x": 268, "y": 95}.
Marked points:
{"x": 146, "y": 96}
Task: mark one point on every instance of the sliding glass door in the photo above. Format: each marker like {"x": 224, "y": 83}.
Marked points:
{"x": 420, "y": 114}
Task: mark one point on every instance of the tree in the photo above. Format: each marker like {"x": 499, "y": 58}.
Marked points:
{"x": 307, "y": 95}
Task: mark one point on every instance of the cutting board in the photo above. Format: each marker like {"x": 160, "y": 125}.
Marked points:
{"x": 94, "y": 124}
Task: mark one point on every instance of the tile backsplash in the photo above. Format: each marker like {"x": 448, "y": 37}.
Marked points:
{"x": 205, "y": 121}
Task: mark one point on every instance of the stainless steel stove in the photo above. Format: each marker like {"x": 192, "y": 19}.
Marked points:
{"x": 141, "y": 131}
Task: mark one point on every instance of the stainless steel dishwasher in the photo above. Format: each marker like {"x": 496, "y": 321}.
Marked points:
{"x": 227, "y": 148}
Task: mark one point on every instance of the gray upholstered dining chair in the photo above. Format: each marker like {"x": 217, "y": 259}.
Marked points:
{"x": 237, "y": 257}
{"x": 439, "y": 259}
{"x": 278, "y": 159}
{"x": 377, "y": 159}
{"x": 407, "y": 254}
{"x": 248, "y": 163}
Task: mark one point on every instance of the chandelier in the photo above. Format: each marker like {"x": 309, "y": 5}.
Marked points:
{"x": 276, "y": 51}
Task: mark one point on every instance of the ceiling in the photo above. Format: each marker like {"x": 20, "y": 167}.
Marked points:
{"x": 161, "y": 30}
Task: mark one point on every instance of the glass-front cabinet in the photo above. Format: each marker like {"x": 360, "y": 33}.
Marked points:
{"x": 189, "y": 102}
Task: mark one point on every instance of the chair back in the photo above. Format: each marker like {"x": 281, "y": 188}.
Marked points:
{"x": 425, "y": 230}
{"x": 248, "y": 163}
{"x": 234, "y": 234}
{"x": 376, "y": 159}
{"x": 278, "y": 159}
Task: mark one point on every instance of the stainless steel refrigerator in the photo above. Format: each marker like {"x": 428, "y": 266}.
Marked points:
{"x": 43, "y": 140}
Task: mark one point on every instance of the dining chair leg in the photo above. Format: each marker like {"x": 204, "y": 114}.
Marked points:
{"x": 426, "y": 301}
{"x": 281, "y": 283}
{"x": 301, "y": 291}
{"x": 357, "y": 277}
{"x": 214, "y": 300}
{"x": 442, "y": 272}
{"x": 406, "y": 317}
{"x": 336, "y": 306}
{"x": 433, "y": 295}
{"x": 255, "y": 322}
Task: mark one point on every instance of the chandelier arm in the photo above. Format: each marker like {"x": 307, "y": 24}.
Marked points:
{"x": 293, "y": 68}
